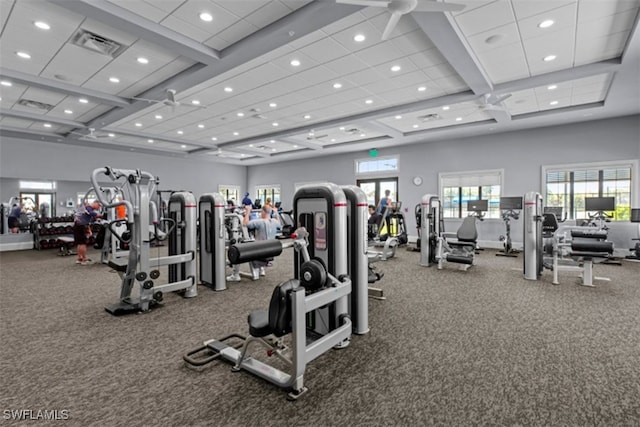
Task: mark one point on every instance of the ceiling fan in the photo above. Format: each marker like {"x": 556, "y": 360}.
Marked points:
{"x": 169, "y": 101}
{"x": 492, "y": 101}
{"x": 92, "y": 134}
{"x": 397, "y": 8}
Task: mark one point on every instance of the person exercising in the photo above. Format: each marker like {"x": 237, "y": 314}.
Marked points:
{"x": 13, "y": 221}
{"x": 264, "y": 228}
{"x": 373, "y": 223}
{"x": 84, "y": 217}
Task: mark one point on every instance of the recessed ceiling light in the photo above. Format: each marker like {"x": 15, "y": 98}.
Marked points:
{"x": 295, "y": 63}
{"x": 111, "y": 135}
{"x": 446, "y": 107}
{"x": 158, "y": 117}
{"x": 396, "y": 68}
{"x": 6, "y": 83}
{"x": 549, "y": 58}
{"x": 307, "y": 116}
{"x": 272, "y": 141}
{"x": 250, "y": 145}
{"x": 240, "y": 114}
{"x": 337, "y": 85}
{"x": 546, "y": 23}
{"x": 228, "y": 89}
{"x": 398, "y": 117}
{"x": 68, "y": 112}
{"x": 362, "y": 135}
{"x": 458, "y": 119}
{"x": 143, "y": 60}
{"x": 369, "y": 101}
{"x": 552, "y": 87}
{"x": 23, "y": 55}
{"x": 213, "y": 138}
{"x": 83, "y": 101}
{"x": 206, "y": 17}
{"x": 494, "y": 38}
{"x": 42, "y": 25}
{"x": 201, "y": 126}
{"x": 295, "y": 146}
{"x": 150, "y": 141}
{"x": 359, "y": 38}
{"x": 333, "y": 140}
{"x": 114, "y": 80}
{"x": 422, "y": 88}
{"x": 236, "y": 133}
{"x": 342, "y": 128}
{"x": 275, "y": 124}
{"x": 273, "y": 149}
{"x": 195, "y": 102}
{"x": 138, "y": 125}
{"x": 311, "y": 134}
{"x": 553, "y": 103}
{"x": 180, "y": 132}
{"x": 273, "y": 105}
{"x": 183, "y": 146}
{"x": 416, "y": 126}
{"x": 47, "y": 125}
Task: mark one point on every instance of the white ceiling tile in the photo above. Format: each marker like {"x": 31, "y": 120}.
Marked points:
{"x": 469, "y": 5}
{"x": 439, "y": 71}
{"x": 325, "y": 50}
{"x": 484, "y": 18}
{"x": 166, "y": 5}
{"x": 192, "y": 31}
{"x": 236, "y": 32}
{"x": 563, "y": 17}
{"x": 308, "y": 39}
{"x": 42, "y": 95}
{"x": 590, "y": 10}
{"x": 270, "y": 12}
{"x": 216, "y": 43}
{"x": 604, "y": 26}
{"x": 527, "y": 8}
{"x": 364, "y": 77}
{"x": 451, "y": 84}
{"x": 587, "y": 98}
{"x": 142, "y": 8}
{"x": 345, "y": 37}
{"x": 495, "y": 38}
{"x": 428, "y": 58}
{"x": 346, "y": 65}
{"x": 379, "y": 53}
{"x": 76, "y": 64}
{"x": 349, "y": 25}
{"x": 317, "y": 75}
{"x": 595, "y": 50}
{"x": 4, "y": 11}
{"x": 241, "y": 8}
{"x": 560, "y": 43}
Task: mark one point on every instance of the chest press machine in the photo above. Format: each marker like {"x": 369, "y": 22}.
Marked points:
{"x": 317, "y": 306}
{"x": 139, "y": 266}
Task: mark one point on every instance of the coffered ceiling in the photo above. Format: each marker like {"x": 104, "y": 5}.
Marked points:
{"x": 259, "y": 81}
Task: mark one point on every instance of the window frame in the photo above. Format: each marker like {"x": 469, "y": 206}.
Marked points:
{"x": 378, "y": 173}
{"x": 492, "y": 214}
{"x": 610, "y": 164}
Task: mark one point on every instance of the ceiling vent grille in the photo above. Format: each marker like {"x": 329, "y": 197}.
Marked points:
{"x": 96, "y": 43}
{"x": 35, "y": 104}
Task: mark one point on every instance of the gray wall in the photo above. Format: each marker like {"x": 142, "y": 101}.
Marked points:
{"x": 520, "y": 154}
{"x": 71, "y": 168}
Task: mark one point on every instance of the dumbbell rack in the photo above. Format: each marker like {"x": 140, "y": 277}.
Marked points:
{"x": 48, "y": 230}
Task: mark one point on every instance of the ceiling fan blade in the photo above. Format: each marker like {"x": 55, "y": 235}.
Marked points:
{"x": 371, "y": 3}
{"x": 145, "y": 99}
{"x": 171, "y": 96}
{"x": 391, "y": 25}
{"x": 436, "y": 6}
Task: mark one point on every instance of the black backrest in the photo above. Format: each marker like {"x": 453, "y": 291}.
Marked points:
{"x": 280, "y": 307}
{"x": 468, "y": 231}
{"x": 549, "y": 224}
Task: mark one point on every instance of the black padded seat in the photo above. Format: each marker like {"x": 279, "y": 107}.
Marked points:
{"x": 591, "y": 247}
{"x": 259, "y": 323}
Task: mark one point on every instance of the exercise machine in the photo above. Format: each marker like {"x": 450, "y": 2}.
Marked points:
{"x": 635, "y": 217}
{"x": 316, "y": 307}
{"x": 510, "y": 207}
{"x": 545, "y": 245}
{"x": 211, "y": 211}
{"x": 462, "y": 250}
{"x": 140, "y": 266}
{"x": 431, "y": 227}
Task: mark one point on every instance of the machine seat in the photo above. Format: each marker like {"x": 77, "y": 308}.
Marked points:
{"x": 259, "y": 323}
{"x": 592, "y": 247}
{"x": 589, "y": 234}
{"x": 467, "y": 231}
{"x": 119, "y": 264}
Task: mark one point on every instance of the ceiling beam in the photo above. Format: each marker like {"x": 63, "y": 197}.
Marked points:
{"x": 452, "y": 45}
{"x": 61, "y": 87}
{"x": 383, "y": 128}
{"x": 363, "y": 117}
{"x": 305, "y": 20}
{"x": 306, "y": 143}
{"x": 130, "y": 23}
{"x": 27, "y": 115}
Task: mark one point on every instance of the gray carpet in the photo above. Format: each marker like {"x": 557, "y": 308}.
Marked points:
{"x": 448, "y": 347}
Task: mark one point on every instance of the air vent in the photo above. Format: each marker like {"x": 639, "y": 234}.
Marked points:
{"x": 429, "y": 117}
{"x": 35, "y": 104}
{"x": 96, "y": 43}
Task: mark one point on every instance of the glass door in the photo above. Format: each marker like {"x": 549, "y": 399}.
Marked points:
{"x": 375, "y": 189}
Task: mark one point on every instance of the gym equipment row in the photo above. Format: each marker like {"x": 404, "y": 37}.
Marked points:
{"x": 546, "y": 246}
{"x": 324, "y": 302}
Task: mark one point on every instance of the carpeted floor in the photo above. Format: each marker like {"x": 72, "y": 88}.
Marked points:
{"x": 454, "y": 348}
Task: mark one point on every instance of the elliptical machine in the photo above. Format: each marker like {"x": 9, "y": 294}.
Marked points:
{"x": 635, "y": 217}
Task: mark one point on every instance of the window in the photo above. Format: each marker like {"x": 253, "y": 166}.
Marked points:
{"x": 569, "y": 186}
{"x": 230, "y": 192}
{"x": 457, "y": 188}
{"x": 381, "y": 164}
{"x": 37, "y": 185}
{"x": 264, "y": 192}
